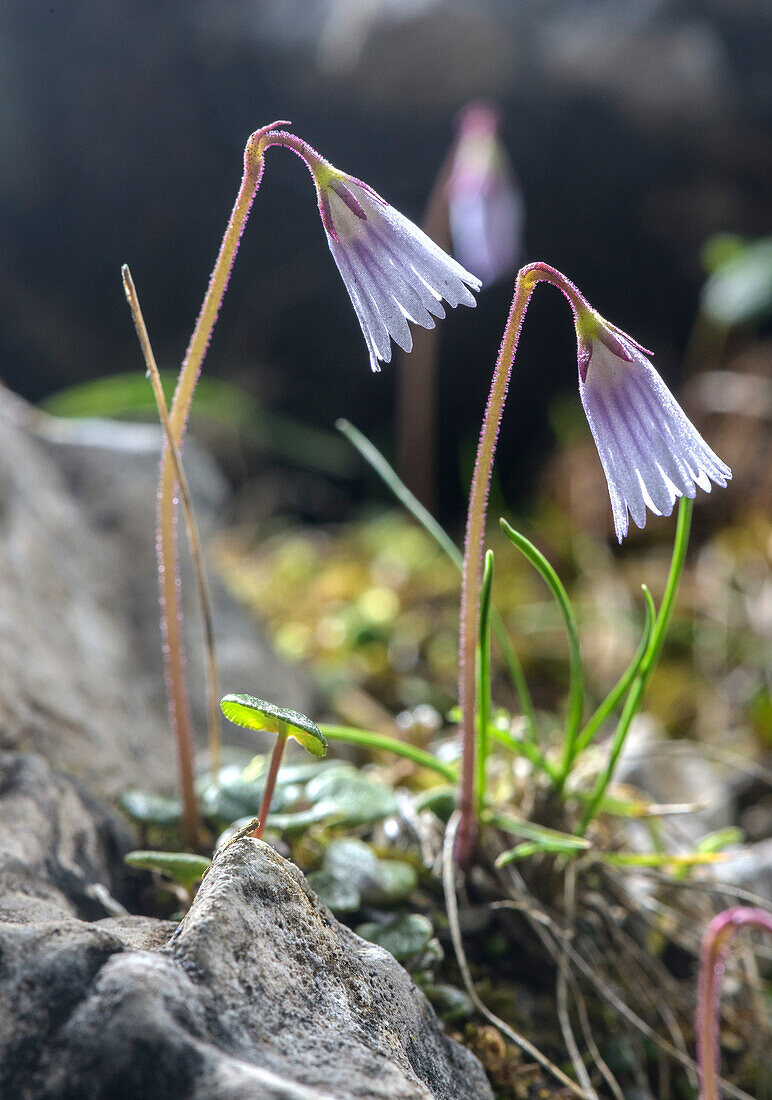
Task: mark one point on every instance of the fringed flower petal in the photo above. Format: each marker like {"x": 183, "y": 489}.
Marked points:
{"x": 650, "y": 452}
{"x": 393, "y": 272}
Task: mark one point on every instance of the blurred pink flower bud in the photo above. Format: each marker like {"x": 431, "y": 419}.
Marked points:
{"x": 485, "y": 207}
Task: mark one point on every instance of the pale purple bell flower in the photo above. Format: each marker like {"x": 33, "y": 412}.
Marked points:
{"x": 650, "y": 451}
{"x": 393, "y": 272}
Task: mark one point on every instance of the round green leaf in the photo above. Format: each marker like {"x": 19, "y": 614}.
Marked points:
{"x": 405, "y": 936}
{"x": 351, "y": 860}
{"x": 297, "y": 822}
{"x": 183, "y": 867}
{"x": 336, "y": 894}
{"x": 238, "y": 792}
{"x": 397, "y": 881}
{"x": 351, "y": 798}
{"x": 149, "y": 808}
{"x": 441, "y": 800}
{"x": 257, "y": 714}
{"x": 450, "y": 1003}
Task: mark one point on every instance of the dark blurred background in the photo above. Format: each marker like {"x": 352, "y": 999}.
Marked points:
{"x": 637, "y": 130}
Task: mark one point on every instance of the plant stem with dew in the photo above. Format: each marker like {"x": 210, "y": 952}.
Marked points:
{"x": 166, "y": 547}
{"x": 474, "y": 540}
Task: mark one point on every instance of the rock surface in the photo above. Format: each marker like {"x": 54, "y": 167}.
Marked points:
{"x": 259, "y": 992}
{"x": 80, "y": 650}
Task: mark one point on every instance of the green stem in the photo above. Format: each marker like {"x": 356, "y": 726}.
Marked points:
{"x": 576, "y": 675}
{"x": 623, "y": 683}
{"x": 649, "y": 663}
{"x": 680, "y": 547}
{"x": 380, "y": 741}
{"x": 526, "y": 749}
{"x": 484, "y": 679}
{"x": 517, "y": 676}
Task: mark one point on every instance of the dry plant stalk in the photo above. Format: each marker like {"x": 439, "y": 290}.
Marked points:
{"x": 194, "y": 538}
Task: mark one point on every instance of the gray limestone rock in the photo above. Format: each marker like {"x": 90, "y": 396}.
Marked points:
{"x": 260, "y": 992}
{"x": 80, "y": 649}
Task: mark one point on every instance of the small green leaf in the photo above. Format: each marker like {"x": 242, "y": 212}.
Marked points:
{"x": 398, "y": 880}
{"x": 539, "y": 833}
{"x": 337, "y": 894}
{"x": 405, "y": 936}
{"x": 353, "y": 861}
{"x": 238, "y": 792}
{"x": 378, "y": 881}
{"x": 660, "y": 859}
{"x": 257, "y": 714}
{"x": 441, "y": 801}
{"x": 449, "y": 1003}
{"x": 183, "y": 867}
{"x": 532, "y": 848}
{"x": 300, "y": 821}
{"x": 721, "y": 838}
{"x": 291, "y": 775}
{"x": 149, "y": 808}
{"x": 220, "y": 807}
{"x": 351, "y": 798}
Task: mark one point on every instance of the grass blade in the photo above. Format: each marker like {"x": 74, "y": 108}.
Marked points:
{"x": 528, "y": 830}
{"x": 576, "y": 686}
{"x": 649, "y": 662}
{"x": 390, "y": 478}
{"x": 483, "y": 678}
{"x": 382, "y": 742}
{"x": 623, "y": 683}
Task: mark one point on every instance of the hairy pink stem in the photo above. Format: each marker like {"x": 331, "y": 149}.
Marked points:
{"x": 474, "y": 540}
{"x": 715, "y": 948}
{"x": 270, "y": 785}
{"x": 166, "y": 542}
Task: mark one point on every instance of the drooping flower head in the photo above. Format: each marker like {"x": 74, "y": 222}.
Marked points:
{"x": 485, "y": 208}
{"x": 392, "y": 271}
{"x": 650, "y": 451}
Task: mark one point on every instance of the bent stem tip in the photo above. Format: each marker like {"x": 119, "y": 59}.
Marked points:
{"x": 715, "y": 948}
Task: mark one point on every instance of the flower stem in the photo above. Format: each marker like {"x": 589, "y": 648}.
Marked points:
{"x": 527, "y": 279}
{"x": 270, "y": 784}
{"x": 471, "y": 574}
{"x": 166, "y": 545}
{"x": 715, "y": 947}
